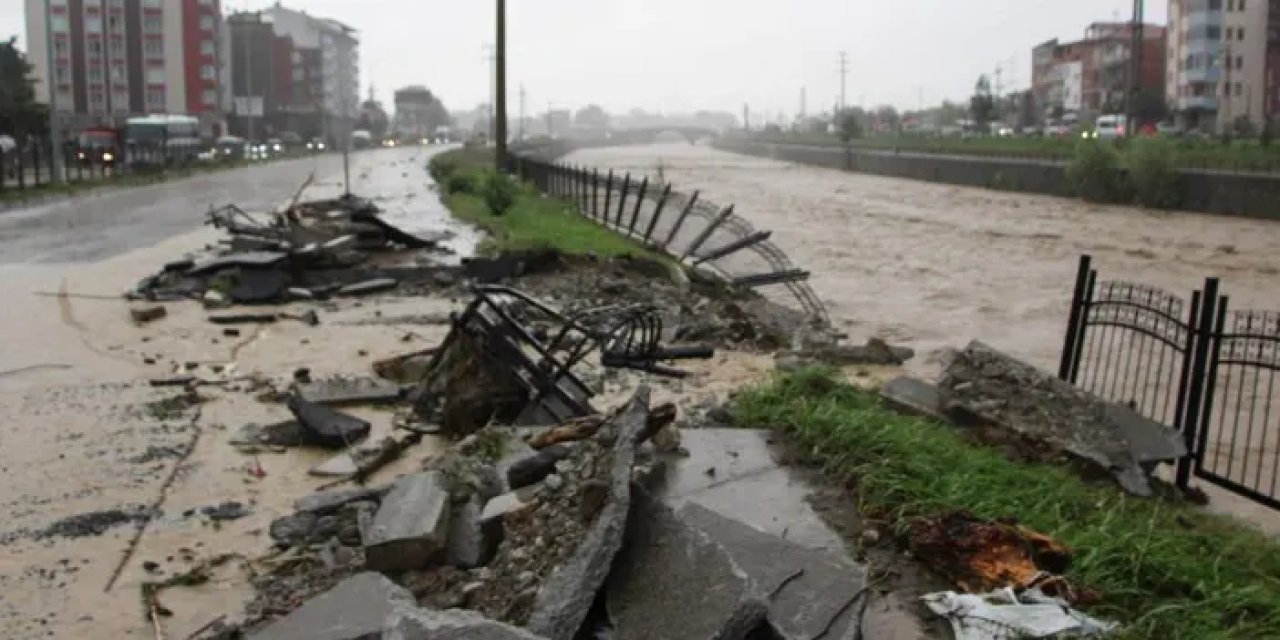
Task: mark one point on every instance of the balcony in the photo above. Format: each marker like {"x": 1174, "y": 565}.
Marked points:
{"x": 1211, "y": 75}
{"x": 1205, "y": 103}
{"x": 1199, "y": 19}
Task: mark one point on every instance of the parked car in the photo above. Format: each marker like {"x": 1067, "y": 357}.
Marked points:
{"x": 1109, "y": 127}
{"x": 231, "y": 148}
{"x": 316, "y": 144}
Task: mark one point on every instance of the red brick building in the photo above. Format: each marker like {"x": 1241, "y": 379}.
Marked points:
{"x": 1104, "y": 61}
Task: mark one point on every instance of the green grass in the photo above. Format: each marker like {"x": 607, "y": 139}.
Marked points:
{"x": 1164, "y": 569}
{"x": 532, "y": 222}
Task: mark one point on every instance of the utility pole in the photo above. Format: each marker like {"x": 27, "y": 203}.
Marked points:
{"x": 1135, "y": 68}
{"x": 844, "y": 73}
{"x": 500, "y": 128}
{"x": 550, "y": 131}
{"x": 523, "y": 96}
{"x": 804, "y": 99}
{"x": 746, "y": 117}
{"x": 55, "y": 136}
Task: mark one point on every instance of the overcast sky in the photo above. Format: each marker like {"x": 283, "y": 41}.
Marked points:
{"x": 680, "y": 55}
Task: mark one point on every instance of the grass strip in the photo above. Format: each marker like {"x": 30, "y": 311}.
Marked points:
{"x": 533, "y": 221}
{"x": 1165, "y": 570}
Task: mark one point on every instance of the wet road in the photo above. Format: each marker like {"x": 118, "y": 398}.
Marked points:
{"x": 109, "y": 223}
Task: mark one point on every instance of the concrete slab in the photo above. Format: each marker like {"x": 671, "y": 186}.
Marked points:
{"x": 357, "y": 608}
{"x": 913, "y": 396}
{"x": 342, "y": 391}
{"x": 411, "y": 525}
{"x": 747, "y": 485}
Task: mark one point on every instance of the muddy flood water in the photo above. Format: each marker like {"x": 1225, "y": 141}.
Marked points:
{"x": 930, "y": 265}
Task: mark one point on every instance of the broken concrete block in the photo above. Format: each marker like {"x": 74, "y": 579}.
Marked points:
{"x": 913, "y": 396}
{"x": 142, "y": 315}
{"x": 534, "y": 468}
{"x": 802, "y": 606}
{"x": 339, "y": 391}
{"x": 411, "y": 623}
{"x": 259, "y": 285}
{"x": 325, "y": 427}
{"x": 292, "y": 529}
{"x": 368, "y": 286}
{"x": 499, "y": 506}
{"x": 357, "y": 609}
{"x": 411, "y": 526}
{"x": 567, "y": 594}
{"x": 331, "y": 500}
{"x": 472, "y": 540}
{"x": 250, "y": 259}
{"x": 673, "y": 581}
{"x": 280, "y": 434}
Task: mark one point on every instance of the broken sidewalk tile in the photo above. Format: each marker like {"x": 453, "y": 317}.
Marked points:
{"x": 532, "y": 469}
{"x": 243, "y": 318}
{"x": 913, "y": 396}
{"x": 411, "y": 526}
{"x": 1007, "y": 398}
{"x": 565, "y": 597}
{"x": 251, "y": 259}
{"x": 409, "y": 623}
{"x": 368, "y": 286}
{"x": 1003, "y": 614}
{"x": 356, "y": 609}
{"x": 326, "y": 427}
{"x": 674, "y": 582}
{"x": 259, "y": 285}
{"x": 800, "y": 606}
{"x": 340, "y": 391}
{"x": 333, "y": 499}
{"x": 143, "y": 315}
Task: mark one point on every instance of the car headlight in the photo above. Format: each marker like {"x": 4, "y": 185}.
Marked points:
{"x": 320, "y": 146}
{"x": 80, "y": 155}
{"x": 107, "y": 156}
{"x": 276, "y": 147}
{"x": 311, "y": 145}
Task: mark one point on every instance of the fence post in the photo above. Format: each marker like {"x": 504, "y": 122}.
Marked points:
{"x": 622, "y": 201}
{"x": 706, "y": 233}
{"x": 22, "y": 171}
{"x": 595, "y": 193}
{"x": 657, "y": 213}
{"x": 1071, "y": 342}
{"x": 1197, "y": 389}
{"x": 582, "y": 190}
{"x": 608, "y": 198}
{"x": 693, "y": 200}
{"x": 635, "y": 215}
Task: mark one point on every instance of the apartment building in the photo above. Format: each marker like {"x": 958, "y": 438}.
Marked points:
{"x": 276, "y": 85}
{"x": 1091, "y": 75}
{"x": 1218, "y": 63}
{"x": 114, "y": 59}
{"x": 338, "y": 50}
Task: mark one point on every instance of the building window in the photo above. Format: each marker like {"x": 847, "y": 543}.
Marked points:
{"x": 120, "y": 100}
{"x": 208, "y": 72}
{"x": 58, "y": 23}
{"x": 95, "y": 74}
{"x": 155, "y": 100}
{"x": 97, "y": 101}
{"x": 1239, "y": 33}
{"x": 206, "y": 23}
{"x": 155, "y": 75}
{"x": 61, "y": 73}
{"x": 1229, "y": 4}
{"x": 1239, "y": 62}
{"x": 60, "y": 46}
{"x": 117, "y": 73}
{"x": 153, "y": 47}
{"x": 152, "y": 24}
{"x": 1238, "y": 90}
{"x": 114, "y": 23}
{"x": 207, "y": 48}
{"x": 95, "y": 48}
{"x": 210, "y": 97}
{"x": 117, "y": 48}
{"x": 93, "y": 24}
{"x": 153, "y": 4}
{"x": 1240, "y": 5}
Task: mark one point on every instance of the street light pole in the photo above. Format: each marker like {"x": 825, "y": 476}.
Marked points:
{"x": 500, "y": 97}
{"x": 50, "y": 66}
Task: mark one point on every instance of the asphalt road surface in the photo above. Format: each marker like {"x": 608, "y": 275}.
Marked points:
{"x": 113, "y": 221}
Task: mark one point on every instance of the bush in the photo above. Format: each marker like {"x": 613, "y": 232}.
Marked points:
{"x": 442, "y": 167}
{"x": 1152, "y": 174}
{"x": 464, "y": 183}
{"x": 499, "y": 192}
{"x": 1094, "y": 172}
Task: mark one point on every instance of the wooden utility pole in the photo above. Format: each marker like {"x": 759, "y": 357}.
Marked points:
{"x": 500, "y": 93}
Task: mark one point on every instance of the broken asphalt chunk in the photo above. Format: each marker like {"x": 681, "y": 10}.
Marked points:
{"x": 251, "y": 259}
{"x": 411, "y": 526}
{"x": 143, "y": 315}
{"x": 326, "y": 427}
{"x": 341, "y": 391}
{"x": 259, "y": 285}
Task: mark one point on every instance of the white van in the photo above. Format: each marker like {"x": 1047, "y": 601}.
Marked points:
{"x": 1109, "y": 127}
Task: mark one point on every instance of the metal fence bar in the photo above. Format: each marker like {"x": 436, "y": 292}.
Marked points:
{"x": 706, "y": 233}
{"x": 622, "y": 200}
{"x": 1189, "y": 418}
{"x": 595, "y": 193}
{"x": 688, "y": 207}
{"x": 1071, "y": 342}
{"x": 608, "y": 198}
{"x": 737, "y": 245}
{"x": 657, "y": 213}
{"x": 776, "y": 277}
{"x": 635, "y": 214}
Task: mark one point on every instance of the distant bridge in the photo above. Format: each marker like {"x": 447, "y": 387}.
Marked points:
{"x": 649, "y": 135}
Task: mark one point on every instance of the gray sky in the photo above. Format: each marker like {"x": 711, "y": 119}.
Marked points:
{"x": 680, "y": 55}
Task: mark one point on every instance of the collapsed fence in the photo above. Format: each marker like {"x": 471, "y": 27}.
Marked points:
{"x": 685, "y": 227}
{"x": 1189, "y": 364}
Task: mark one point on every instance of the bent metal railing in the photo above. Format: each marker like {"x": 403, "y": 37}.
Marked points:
{"x": 684, "y": 226}
{"x": 1195, "y": 367}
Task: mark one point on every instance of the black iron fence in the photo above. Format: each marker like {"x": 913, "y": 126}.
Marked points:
{"x": 1190, "y": 364}
{"x": 684, "y": 226}
{"x": 33, "y": 165}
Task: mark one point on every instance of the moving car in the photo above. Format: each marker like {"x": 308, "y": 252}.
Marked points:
{"x": 99, "y": 146}
{"x": 316, "y": 144}
{"x": 1109, "y": 127}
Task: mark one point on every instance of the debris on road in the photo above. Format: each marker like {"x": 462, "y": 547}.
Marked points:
{"x": 143, "y": 315}
{"x": 325, "y": 427}
{"x": 1005, "y": 613}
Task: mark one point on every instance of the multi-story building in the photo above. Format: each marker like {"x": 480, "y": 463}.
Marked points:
{"x": 1217, "y": 55}
{"x": 113, "y": 59}
{"x": 1271, "y": 92}
{"x": 276, "y": 86}
{"x": 1091, "y": 75}
{"x": 338, "y": 49}
{"x": 418, "y": 113}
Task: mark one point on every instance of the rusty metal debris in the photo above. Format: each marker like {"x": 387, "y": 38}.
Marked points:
{"x": 495, "y": 365}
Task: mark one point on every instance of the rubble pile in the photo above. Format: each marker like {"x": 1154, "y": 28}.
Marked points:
{"x": 311, "y": 250}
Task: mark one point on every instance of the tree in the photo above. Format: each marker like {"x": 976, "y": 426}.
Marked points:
{"x": 849, "y": 125}
{"x": 887, "y": 119}
{"x": 20, "y": 114}
{"x": 982, "y": 105}
{"x": 592, "y": 116}
{"x": 1027, "y": 116}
